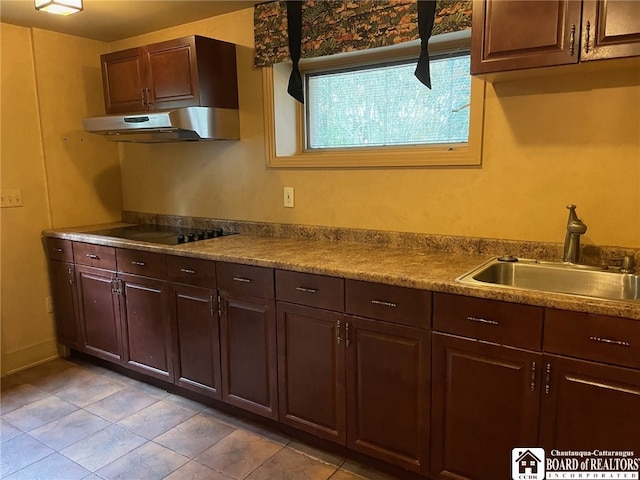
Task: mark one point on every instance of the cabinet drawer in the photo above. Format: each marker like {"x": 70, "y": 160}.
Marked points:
{"x": 593, "y": 337}
{"x": 60, "y": 250}
{"x": 491, "y": 320}
{"x": 192, "y": 271}
{"x": 94, "y": 255}
{"x": 245, "y": 279}
{"x": 309, "y": 289}
{"x": 138, "y": 262}
{"x": 406, "y": 306}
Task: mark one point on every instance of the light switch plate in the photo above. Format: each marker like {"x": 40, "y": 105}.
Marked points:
{"x": 288, "y": 197}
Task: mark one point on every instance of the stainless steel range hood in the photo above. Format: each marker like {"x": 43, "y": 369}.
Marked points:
{"x": 176, "y": 125}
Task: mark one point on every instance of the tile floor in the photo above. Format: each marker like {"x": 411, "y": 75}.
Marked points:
{"x": 69, "y": 419}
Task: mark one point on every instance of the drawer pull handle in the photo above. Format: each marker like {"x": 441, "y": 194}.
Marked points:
{"x": 58, "y": 250}
{"x": 383, "y": 303}
{"x": 482, "y": 320}
{"x": 243, "y": 280}
{"x": 306, "y": 290}
{"x": 187, "y": 270}
{"x": 622, "y": 343}
{"x": 92, "y": 256}
{"x": 140, "y": 264}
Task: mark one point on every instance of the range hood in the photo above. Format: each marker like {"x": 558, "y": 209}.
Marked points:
{"x": 175, "y": 125}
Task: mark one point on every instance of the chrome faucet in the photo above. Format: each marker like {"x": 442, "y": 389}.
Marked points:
{"x": 575, "y": 228}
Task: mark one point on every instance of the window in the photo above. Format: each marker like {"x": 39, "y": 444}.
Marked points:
{"x": 383, "y": 105}
{"x": 368, "y": 109}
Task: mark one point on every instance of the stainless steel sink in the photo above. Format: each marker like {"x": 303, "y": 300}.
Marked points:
{"x": 526, "y": 274}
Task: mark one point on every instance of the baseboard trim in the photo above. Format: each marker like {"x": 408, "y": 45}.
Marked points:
{"x": 28, "y": 357}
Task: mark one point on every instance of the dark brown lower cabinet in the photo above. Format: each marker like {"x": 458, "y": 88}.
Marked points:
{"x": 99, "y": 312}
{"x": 311, "y": 371}
{"x": 590, "y": 406}
{"x": 486, "y": 401}
{"x": 62, "y": 277}
{"x": 197, "y": 342}
{"x": 146, "y": 325}
{"x": 248, "y": 353}
{"x": 388, "y": 395}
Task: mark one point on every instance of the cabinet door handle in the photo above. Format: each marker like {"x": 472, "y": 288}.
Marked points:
{"x": 547, "y": 379}
{"x": 347, "y": 334}
{"x": 59, "y": 250}
{"x": 572, "y": 40}
{"x": 621, "y": 343}
{"x": 587, "y": 37}
{"x": 142, "y": 97}
{"x": 140, "y": 264}
{"x": 243, "y": 280}
{"x": 482, "y": 320}
{"x": 70, "y": 275}
{"x": 187, "y": 270}
{"x": 533, "y": 376}
{"x": 383, "y": 303}
{"x": 339, "y": 338}
{"x": 92, "y": 256}
{"x": 306, "y": 290}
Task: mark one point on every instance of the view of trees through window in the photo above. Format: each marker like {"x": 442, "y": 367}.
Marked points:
{"x": 387, "y": 105}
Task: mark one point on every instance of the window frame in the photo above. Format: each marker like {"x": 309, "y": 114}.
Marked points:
{"x": 285, "y": 145}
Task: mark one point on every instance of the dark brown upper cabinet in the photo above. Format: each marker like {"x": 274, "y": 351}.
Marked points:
{"x": 189, "y": 71}
{"x": 514, "y": 35}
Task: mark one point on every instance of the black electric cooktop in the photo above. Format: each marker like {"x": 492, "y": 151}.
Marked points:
{"x": 162, "y": 234}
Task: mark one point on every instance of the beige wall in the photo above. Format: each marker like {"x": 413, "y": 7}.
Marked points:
{"x": 565, "y": 139}
{"x": 48, "y": 83}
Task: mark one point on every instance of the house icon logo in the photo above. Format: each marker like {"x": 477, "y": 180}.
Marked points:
{"x": 527, "y": 464}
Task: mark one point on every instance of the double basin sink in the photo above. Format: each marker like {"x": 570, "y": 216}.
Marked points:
{"x": 555, "y": 277}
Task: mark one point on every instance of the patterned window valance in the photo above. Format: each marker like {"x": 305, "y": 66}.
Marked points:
{"x": 336, "y": 26}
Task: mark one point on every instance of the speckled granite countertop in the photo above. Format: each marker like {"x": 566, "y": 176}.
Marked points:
{"x": 407, "y": 267}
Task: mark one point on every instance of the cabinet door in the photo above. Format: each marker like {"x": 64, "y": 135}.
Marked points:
{"x": 171, "y": 74}
{"x": 248, "y": 353}
{"x": 511, "y": 35}
{"x": 197, "y": 343}
{"x": 587, "y": 405}
{"x": 146, "y": 326}
{"x": 123, "y": 81}
{"x": 388, "y": 392}
{"x": 610, "y": 29}
{"x": 99, "y": 312}
{"x": 311, "y": 370}
{"x": 64, "y": 300}
{"x": 486, "y": 401}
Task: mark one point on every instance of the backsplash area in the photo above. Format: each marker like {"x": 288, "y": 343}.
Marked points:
{"x": 590, "y": 254}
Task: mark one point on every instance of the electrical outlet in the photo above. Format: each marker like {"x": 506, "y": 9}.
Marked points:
{"x": 11, "y": 198}
{"x": 288, "y": 197}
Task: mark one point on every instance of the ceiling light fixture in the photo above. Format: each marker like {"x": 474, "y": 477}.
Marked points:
{"x": 59, "y": 7}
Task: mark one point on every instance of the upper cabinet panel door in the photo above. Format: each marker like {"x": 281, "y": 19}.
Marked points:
{"x": 172, "y": 76}
{"x": 511, "y": 35}
{"x": 610, "y": 29}
{"x": 123, "y": 81}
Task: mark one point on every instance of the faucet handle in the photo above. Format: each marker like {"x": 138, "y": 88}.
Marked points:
{"x": 628, "y": 264}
